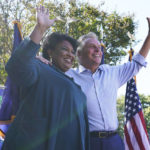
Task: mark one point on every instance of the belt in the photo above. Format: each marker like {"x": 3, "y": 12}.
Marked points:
{"x": 102, "y": 134}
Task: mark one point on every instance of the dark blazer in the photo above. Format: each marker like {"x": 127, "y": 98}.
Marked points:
{"x": 52, "y": 114}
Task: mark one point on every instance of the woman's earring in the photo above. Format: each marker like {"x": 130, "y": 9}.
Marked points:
{"x": 50, "y": 59}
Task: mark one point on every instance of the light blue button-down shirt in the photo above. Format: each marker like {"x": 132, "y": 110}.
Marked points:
{"x": 101, "y": 88}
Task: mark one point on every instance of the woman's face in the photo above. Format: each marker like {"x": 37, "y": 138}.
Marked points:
{"x": 63, "y": 56}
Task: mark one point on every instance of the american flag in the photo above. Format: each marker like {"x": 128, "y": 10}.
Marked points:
{"x": 135, "y": 133}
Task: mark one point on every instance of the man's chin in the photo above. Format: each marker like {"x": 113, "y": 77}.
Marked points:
{"x": 97, "y": 63}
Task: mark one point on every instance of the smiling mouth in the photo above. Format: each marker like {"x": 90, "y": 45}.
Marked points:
{"x": 96, "y": 55}
{"x": 68, "y": 60}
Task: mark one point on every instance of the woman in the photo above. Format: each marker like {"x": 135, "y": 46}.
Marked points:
{"x": 52, "y": 114}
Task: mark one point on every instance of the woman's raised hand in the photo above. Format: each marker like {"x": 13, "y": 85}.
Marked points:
{"x": 43, "y": 20}
{"x": 43, "y": 23}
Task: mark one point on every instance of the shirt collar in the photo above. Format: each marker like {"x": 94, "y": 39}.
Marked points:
{"x": 82, "y": 69}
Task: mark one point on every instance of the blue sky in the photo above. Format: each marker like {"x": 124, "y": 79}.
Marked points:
{"x": 141, "y": 10}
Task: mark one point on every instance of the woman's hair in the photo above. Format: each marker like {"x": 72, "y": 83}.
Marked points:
{"x": 52, "y": 41}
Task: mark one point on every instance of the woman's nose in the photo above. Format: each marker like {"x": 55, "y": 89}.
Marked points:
{"x": 70, "y": 53}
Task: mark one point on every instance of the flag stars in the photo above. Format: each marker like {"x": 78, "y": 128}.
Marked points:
{"x": 131, "y": 95}
{"x": 129, "y": 108}
{"x": 129, "y": 115}
{"x": 135, "y": 97}
{"x": 130, "y": 102}
{"x": 134, "y": 110}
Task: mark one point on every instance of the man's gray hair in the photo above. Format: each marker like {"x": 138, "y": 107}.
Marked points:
{"x": 83, "y": 38}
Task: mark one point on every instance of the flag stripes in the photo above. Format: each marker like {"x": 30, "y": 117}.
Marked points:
{"x": 133, "y": 137}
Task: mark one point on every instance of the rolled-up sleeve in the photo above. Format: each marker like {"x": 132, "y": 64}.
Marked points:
{"x": 130, "y": 69}
{"x": 22, "y": 67}
{"x": 140, "y": 60}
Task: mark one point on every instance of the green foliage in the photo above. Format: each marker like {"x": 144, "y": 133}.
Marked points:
{"x": 116, "y": 28}
{"x": 10, "y": 10}
{"x": 5, "y": 39}
{"x": 89, "y": 18}
{"x": 121, "y": 113}
{"x": 145, "y": 101}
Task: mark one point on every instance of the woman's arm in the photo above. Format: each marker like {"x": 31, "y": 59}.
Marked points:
{"x": 22, "y": 67}
{"x": 43, "y": 23}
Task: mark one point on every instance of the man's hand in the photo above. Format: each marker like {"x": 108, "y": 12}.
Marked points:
{"x": 45, "y": 61}
{"x": 146, "y": 45}
{"x": 148, "y": 19}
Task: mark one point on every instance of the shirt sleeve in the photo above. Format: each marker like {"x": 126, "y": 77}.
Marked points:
{"x": 140, "y": 60}
{"x": 22, "y": 67}
{"x": 130, "y": 69}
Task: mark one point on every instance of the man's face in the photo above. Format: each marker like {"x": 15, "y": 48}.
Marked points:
{"x": 91, "y": 53}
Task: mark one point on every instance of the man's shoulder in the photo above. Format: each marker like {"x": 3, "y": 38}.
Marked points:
{"x": 105, "y": 66}
{"x": 71, "y": 72}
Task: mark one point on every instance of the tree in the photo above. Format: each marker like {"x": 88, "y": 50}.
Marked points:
{"x": 88, "y": 19}
{"x": 121, "y": 114}
{"x": 145, "y": 100}
{"x": 10, "y": 10}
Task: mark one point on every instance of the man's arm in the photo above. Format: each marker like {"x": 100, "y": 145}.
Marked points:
{"x": 146, "y": 46}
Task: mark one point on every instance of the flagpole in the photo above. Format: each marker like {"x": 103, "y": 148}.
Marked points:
{"x": 19, "y": 27}
{"x": 100, "y": 30}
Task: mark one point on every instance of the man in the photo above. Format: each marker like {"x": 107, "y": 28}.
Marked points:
{"x": 100, "y": 84}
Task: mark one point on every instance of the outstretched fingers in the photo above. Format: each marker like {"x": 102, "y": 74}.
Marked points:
{"x": 47, "y": 11}
{"x": 43, "y": 17}
{"x": 42, "y": 10}
{"x": 37, "y": 9}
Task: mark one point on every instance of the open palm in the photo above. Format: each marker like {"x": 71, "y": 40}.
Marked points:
{"x": 43, "y": 17}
